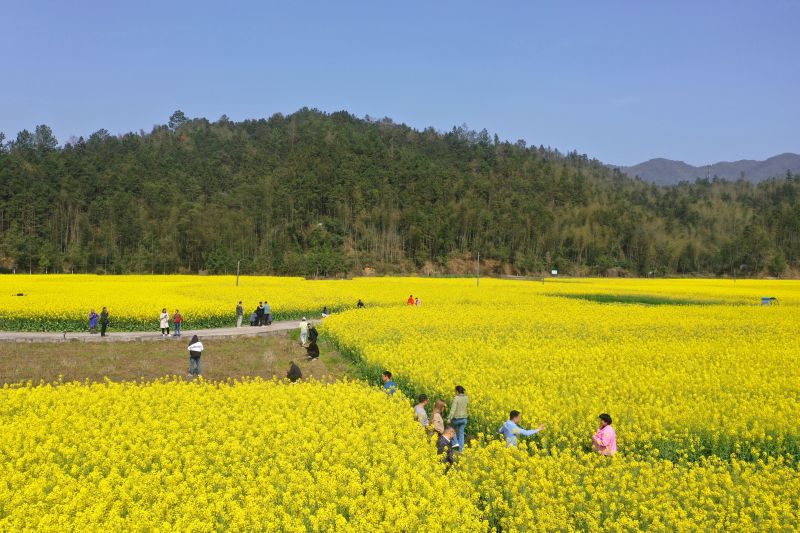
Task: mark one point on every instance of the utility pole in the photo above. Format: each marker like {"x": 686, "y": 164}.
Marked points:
{"x": 478, "y": 278}
{"x": 238, "y": 264}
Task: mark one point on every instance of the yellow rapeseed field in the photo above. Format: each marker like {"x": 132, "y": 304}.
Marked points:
{"x": 248, "y": 456}
{"x": 683, "y": 381}
{"x": 521, "y": 491}
{"x": 63, "y": 302}
{"x": 702, "y": 381}
{"x": 703, "y": 384}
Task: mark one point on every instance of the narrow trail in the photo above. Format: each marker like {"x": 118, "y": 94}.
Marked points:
{"x": 113, "y": 336}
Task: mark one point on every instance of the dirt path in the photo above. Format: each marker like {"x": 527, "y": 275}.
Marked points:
{"x": 266, "y": 356}
{"x": 244, "y": 331}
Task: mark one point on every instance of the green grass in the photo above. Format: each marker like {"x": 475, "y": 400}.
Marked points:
{"x": 636, "y": 299}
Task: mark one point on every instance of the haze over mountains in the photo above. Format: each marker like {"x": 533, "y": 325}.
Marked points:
{"x": 669, "y": 172}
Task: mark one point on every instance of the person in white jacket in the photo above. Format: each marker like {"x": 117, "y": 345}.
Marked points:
{"x": 195, "y": 351}
{"x": 303, "y": 331}
{"x": 164, "y": 318}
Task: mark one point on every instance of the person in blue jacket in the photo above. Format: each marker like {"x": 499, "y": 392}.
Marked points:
{"x": 511, "y": 429}
{"x": 388, "y": 385}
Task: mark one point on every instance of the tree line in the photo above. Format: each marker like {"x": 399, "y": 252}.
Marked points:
{"x": 320, "y": 194}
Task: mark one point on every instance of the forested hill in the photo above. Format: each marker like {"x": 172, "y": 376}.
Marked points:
{"x": 324, "y": 194}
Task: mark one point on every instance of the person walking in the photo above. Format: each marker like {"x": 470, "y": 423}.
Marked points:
{"x": 239, "y": 314}
{"x": 437, "y": 416}
{"x": 267, "y": 314}
{"x": 260, "y": 314}
{"x": 164, "y": 321}
{"x": 303, "y": 331}
{"x": 93, "y": 318}
{"x": 511, "y": 429}
{"x": 177, "y": 320}
{"x": 388, "y": 385}
{"x": 195, "y": 351}
{"x": 103, "y": 321}
{"x": 444, "y": 446}
{"x": 420, "y": 413}
{"x": 605, "y": 440}
{"x": 294, "y": 373}
{"x": 457, "y": 416}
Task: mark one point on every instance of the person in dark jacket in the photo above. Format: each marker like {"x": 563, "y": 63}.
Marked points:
{"x": 444, "y": 446}
{"x": 103, "y": 321}
{"x": 313, "y": 334}
{"x": 294, "y": 373}
{"x": 313, "y": 350}
{"x": 260, "y": 314}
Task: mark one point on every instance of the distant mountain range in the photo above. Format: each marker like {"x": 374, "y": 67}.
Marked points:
{"x": 668, "y": 172}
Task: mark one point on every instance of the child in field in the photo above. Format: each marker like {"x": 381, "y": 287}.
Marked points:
{"x": 511, "y": 429}
{"x": 195, "y": 351}
{"x": 605, "y": 440}
{"x": 164, "y": 321}
{"x": 444, "y": 446}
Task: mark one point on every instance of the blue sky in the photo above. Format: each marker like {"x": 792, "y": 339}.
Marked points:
{"x": 621, "y": 81}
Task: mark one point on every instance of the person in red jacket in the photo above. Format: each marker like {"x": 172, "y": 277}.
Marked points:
{"x": 177, "y": 319}
{"x": 410, "y": 300}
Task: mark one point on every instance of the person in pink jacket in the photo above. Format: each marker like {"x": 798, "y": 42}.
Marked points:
{"x": 605, "y": 440}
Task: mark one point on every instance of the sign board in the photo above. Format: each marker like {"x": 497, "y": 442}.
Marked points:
{"x": 554, "y": 272}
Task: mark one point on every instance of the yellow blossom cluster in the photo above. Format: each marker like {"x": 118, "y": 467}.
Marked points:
{"x": 587, "y": 492}
{"x": 238, "y": 456}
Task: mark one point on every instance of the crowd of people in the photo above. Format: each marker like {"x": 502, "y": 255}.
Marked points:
{"x": 261, "y": 316}
{"x": 450, "y": 436}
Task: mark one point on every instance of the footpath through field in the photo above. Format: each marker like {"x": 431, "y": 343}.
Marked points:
{"x": 55, "y": 336}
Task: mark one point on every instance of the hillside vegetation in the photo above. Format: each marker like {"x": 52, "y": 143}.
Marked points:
{"x": 329, "y": 194}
